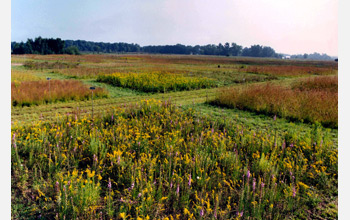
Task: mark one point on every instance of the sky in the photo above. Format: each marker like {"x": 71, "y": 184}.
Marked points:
{"x": 291, "y": 27}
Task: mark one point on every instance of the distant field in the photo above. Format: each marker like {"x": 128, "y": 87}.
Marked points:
{"x": 291, "y": 70}
{"x": 163, "y": 146}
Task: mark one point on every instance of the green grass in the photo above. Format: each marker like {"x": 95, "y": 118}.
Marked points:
{"x": 258, "y": 122}
{"x": 119, "y": 97}
{"x": 115, "y": 92}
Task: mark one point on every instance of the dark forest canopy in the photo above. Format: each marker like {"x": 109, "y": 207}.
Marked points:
{"x": 43, "y": 46}
{"x": 58, "y": 46}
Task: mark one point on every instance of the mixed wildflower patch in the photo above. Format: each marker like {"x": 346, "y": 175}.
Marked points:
{"x": 156, "y": 81}
{"x": 153, "y": 160}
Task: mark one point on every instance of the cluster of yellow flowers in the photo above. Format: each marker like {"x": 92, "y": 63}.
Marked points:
{"x": 156, "y": 161}
{"x": 156, "y": 81}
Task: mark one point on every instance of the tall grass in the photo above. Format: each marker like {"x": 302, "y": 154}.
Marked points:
{"x": 154, "y": 161}
{"x": 290, "y": 70}
{"x": 156, "y": 82}
{"x": 320, "y": 83}
{"x": 49, "y": 65}
{"x": 303, "y": 105}
{"x": 87, "y": 72}
{"x": 38, "y": 92}
{"x": 20, "y": 76}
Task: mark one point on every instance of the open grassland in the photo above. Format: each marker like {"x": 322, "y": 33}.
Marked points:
{"x": 310, "y": 100}
{"x": 172, "y": 154}
{"x": 38, "y": 92}
{"x": 152, "y": 159}
{"x": 225, "y": 70}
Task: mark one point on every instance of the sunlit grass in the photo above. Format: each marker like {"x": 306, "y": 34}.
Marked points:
{"x": 290, "y": 70}
{"x": 38, "y": 92}
{"x": 303, "y": 105}
{"x": 156, "y": 82}
{"x": 153, "y": 160}
{"x": 321, "y": 83}
{"x": 21, "y": 76}
{"x": 178, "y": 158}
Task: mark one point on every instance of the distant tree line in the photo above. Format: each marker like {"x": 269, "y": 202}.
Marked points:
{"x": 211, "y": 49}
{"x": 99, "y": 47}
{"x": 43, "y": 46}
{"x": 57, "y": 46}
{"x": 313, "y": 56}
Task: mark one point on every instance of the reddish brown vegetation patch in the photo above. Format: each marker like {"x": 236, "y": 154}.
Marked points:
{"x": 38, "y": 92}
{"x": 291, "y": 70}
{"x": 303, "y": 105}
{"x": 321, "y": 83}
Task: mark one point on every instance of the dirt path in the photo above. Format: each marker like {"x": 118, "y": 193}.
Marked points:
{"x": 16, "y": 64}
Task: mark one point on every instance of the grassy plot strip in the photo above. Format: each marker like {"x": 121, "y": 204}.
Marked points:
{"x": 306, "y": 102}
{"x": 291, "y": 70}
{"x": 321, "y": 83}
{"x": 156, "y": 82}
{"x": 39, "y": 92}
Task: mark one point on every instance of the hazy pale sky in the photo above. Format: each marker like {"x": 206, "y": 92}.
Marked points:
{"x": 294, "y": 26}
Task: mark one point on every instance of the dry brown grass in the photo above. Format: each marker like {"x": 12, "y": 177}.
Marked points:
{"x": 38, "y": 92}
{"x": 291, "y": 70}
{"x": 320, "y": 83}
{"x": 86, "y": 72}
{"x": 302, "y": 105}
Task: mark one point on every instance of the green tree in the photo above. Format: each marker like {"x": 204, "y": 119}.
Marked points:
{"x": 72, "y": 50}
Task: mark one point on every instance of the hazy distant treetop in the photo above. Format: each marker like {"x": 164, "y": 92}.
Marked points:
{"x": 58, "y": 46}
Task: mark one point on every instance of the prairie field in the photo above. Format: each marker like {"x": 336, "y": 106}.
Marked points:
{"x": 173, "y": 137}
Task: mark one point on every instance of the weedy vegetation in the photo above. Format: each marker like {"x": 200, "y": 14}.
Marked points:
{"x": 38, "y": 92}
{"x": 291, "y": 70}
{"x": 309, "y": 100}
{"x": 173, "y": 137}
{"x": 156, "y": 82}
{"x": 153, "y": 160}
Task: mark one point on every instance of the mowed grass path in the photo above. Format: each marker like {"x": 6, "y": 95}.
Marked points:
{"x": 121, "y": 97}
{"x": 195, "y": 99}
{"x": 117, "y": 97}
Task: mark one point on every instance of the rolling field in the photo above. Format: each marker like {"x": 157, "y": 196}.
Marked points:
{"x": 173, "y": 137}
